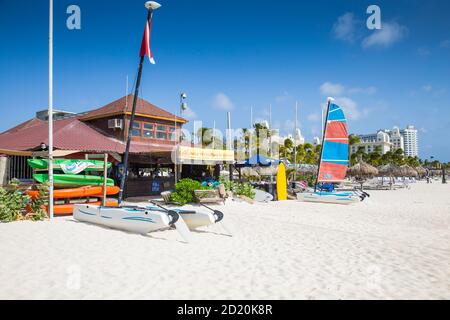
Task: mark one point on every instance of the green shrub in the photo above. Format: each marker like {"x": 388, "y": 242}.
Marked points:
{"x": 184, "y": 191}
{"x": 245, "y": 189}
{"x": 12, "y": 202}
{"x": 240, "y": 189}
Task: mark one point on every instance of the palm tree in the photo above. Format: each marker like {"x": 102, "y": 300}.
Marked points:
{"x": 208, "y": 135}
{"x": 398, "y": 157}
{"x": 353, "y": 139}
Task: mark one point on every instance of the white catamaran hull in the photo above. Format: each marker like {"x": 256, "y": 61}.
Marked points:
{"x": 320, "y": 198}
{"x": 198, "y": 219}
{"x": 193, "y": 219}
{"x": 136, "y": 220}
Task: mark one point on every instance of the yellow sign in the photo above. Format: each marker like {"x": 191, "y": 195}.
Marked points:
{"x": 203, "y": 155}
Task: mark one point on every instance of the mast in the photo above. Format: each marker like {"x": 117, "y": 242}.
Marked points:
{"x": 325, "y": 125}
{"x": 214, "y": 135}
{"x": 295, "y": 145}
{"x": 150, "y": 8}
{"x": 50, "y": 111}
{"x": 230, "y": 143}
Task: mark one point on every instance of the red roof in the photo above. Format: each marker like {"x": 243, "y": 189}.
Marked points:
{"x": 26, "y": 124}
{"x": 125, "y": 104}
{"x": 70, "y": 134}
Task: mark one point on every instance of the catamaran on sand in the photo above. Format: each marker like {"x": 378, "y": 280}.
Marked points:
{"x": 144, "y": 219}
{"x": 333, "y": 162}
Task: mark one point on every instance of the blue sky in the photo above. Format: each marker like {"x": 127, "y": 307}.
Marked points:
{"x": 228, "y": 59}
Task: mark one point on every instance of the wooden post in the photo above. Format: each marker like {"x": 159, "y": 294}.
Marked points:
{"x": 105, "y": 175}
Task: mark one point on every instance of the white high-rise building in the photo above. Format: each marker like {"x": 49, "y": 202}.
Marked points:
{"x": 390, "y": 140}
{"x": 411, "y": 141}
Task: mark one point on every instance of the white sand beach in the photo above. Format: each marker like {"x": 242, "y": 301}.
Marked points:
{"x": 396, "y": 245}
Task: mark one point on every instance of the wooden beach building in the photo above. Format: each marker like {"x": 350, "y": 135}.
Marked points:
{"x": 93, "y": 133}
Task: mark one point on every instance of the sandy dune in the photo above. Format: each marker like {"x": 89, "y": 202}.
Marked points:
{"x": 396, "y": 245}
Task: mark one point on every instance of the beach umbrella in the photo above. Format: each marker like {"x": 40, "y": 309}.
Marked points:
{"x": 258, "y": 160}
{"x": 389, "y": 169}
{"x": 362, "y": 169}
{"x": 421, "y": 171}
{"x": 407, "y": 171}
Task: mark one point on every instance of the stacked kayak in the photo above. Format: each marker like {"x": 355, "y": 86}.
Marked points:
{"x": 68, "y": 208}
{"x": 69, "y": 166}
{"x": 75, "y": 183}
{"x": 89, "y": 191}
{"x": 72, "y": 180}
{"x": 66, "y": 199}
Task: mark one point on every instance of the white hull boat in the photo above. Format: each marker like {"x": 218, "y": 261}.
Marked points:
{"x": 194, "y": 219}
{"x": 328, "y": 198}
{"x": 131, "y": 219}
{"x": 333, "y": 161}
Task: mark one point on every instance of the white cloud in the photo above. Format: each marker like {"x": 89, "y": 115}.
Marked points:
{"x": 433, "y": 91}
{"x": 331, "y": 89}
{"x": 313, "y": 117}
{"x": 390, "y": 33}
{"x": 445, "y": 44}
{"x": 427, "y": 88}
{"x": 223, "y": 102}
{"x": 351, "y": 108}
{"x": 345, "y": 27}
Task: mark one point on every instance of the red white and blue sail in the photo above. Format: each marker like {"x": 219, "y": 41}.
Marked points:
{"x": 334, "y": 160}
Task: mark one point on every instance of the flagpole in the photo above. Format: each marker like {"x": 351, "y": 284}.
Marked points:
{"x": 150, "y": 6}
{"x": 325, "y": 124}
{"x": 214, "y": 135}
{"x": 230, "y": 143}
{"x": 50, "y": 111}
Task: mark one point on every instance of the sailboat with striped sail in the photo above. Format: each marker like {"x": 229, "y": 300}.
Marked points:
{"x": 334, "y": 159}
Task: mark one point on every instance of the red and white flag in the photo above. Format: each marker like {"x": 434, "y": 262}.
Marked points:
{"x": 145, "y": 46}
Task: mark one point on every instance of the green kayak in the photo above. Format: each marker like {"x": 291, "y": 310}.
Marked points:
{"x": 73, "y": 180}
{"x": 69, "y": 166}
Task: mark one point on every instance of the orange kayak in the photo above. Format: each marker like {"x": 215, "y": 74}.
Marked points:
{"x": 67, "y": 209}
{"x": 89, "y": 191}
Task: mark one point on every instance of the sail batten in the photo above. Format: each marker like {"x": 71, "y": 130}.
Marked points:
{"x": 334, "y": 161}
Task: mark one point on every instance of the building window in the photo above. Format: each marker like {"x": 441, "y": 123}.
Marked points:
{"x": 149, "y": 130}
{"x": 136, "y": 131}
{"x": 161, "y": 132}
{"x": 172, "y": 133}
{"x": 161, "y": 135}
{"x": 153, "y": 131}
